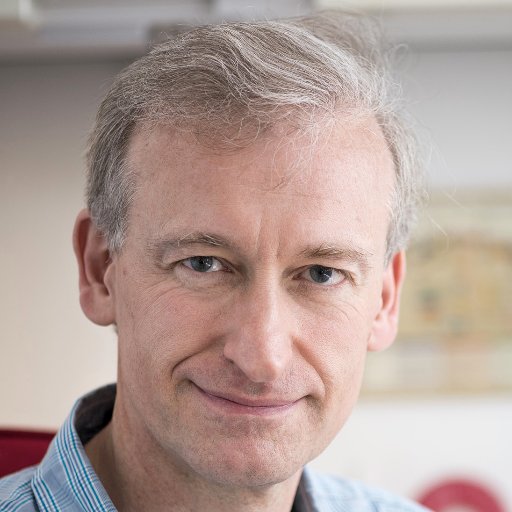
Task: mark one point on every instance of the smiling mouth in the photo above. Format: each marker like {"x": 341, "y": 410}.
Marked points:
{"x": 241, "y": 405}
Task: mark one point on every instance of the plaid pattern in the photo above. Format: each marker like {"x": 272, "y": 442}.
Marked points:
{"x": 320, "y": 492}
{"x": 66, "y": 482}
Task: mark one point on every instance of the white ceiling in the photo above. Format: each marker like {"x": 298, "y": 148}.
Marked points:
{"x": 49, "y": 29}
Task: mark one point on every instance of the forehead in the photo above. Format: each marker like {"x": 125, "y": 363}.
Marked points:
{"x": 355, "y": 145}
{"x": 338, "y": 173}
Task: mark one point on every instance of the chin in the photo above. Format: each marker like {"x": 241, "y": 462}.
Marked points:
{"x": 262, "y": 465}
{"x": 250, "y": 473}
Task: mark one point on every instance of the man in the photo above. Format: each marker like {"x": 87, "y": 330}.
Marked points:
{"x": 250, "y": 192}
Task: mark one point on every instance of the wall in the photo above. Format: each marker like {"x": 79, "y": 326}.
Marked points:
{"x": 50, "y": 354}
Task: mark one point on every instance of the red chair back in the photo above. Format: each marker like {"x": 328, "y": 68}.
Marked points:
{"x": 20, "y": 449}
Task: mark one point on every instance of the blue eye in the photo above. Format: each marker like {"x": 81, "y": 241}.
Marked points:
{"x": 320, "y": 274}
{"x": 203, "y": 264}
{"x": 323, "y": 275}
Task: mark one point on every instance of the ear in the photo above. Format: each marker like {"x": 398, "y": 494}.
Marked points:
{"x": 94, "y": 263}
{"x": 385, "y": 325}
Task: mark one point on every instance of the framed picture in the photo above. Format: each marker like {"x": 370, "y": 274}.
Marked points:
{"x": 455, "y": 330}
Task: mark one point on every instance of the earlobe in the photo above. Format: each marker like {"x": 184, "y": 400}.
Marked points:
{"x": 385, "y": 325}
{"x": 93, "y": 256}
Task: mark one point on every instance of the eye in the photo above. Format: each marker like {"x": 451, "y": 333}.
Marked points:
{"x": 323, "y": 275}
{"x": 203, "y": 264}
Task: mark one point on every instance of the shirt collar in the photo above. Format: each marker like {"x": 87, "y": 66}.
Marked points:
{"x": 65, "y": 479}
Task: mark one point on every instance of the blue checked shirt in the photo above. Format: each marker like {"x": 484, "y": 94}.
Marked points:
{"x": 65, "y": 480}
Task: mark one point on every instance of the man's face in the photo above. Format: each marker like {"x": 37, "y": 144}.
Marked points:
{"x": 246, "y": 294}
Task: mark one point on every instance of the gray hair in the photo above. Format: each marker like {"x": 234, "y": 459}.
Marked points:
{"x": 246, "y": 77}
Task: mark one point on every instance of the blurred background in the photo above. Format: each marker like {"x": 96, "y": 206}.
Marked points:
{"x": 437, "y": 406}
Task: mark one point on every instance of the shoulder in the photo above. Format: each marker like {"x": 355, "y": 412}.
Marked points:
{"x": 16, "y": 493}
{"x": 330, "y": 492}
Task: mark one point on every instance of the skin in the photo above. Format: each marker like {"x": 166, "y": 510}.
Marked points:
{"x": 230, "y": 381}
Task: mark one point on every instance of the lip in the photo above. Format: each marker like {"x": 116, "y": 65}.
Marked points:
{"x": 233, "y": 404}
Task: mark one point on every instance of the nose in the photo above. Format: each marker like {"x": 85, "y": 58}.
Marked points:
{"x": 260, "y": 342}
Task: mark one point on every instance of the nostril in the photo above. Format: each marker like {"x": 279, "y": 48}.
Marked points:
{"x": 260, "y": 360}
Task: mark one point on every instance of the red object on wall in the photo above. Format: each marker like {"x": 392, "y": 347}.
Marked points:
{"x": 460, "y": 492}
{"x": 20, "y": 449}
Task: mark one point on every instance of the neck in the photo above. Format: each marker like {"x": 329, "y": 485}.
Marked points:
{"x": 141, "y": 477}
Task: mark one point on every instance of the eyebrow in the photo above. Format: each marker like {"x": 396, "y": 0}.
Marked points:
{"x": 335, "y": 252}
{"x": 160, "y": 246}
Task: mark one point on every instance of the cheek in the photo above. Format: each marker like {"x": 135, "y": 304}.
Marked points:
{"x": 335, "y": 344}
{"x": 160, "y": 326}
